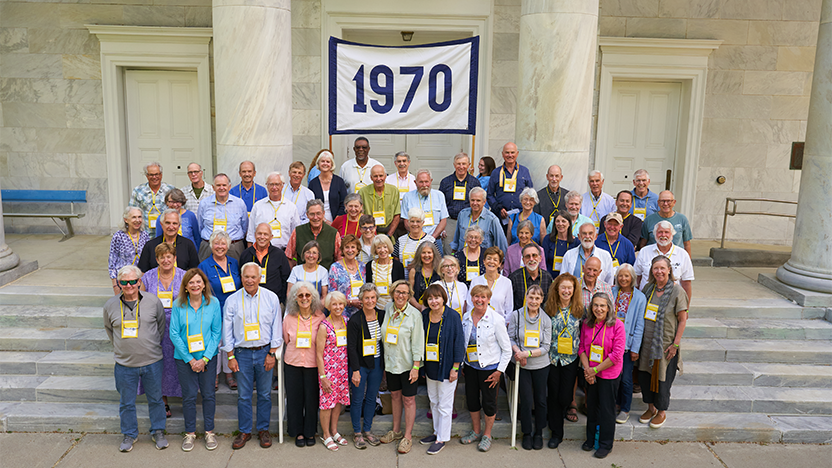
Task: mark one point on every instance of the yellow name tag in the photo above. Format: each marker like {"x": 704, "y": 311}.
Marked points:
{"x": 392, "y": 335}
{"x": 558, "y": 263}
{"x": 378, "y": 216}
{"x": 304, "y": 339}
{"x": 531, "y": 339}
{"x": 355, "y": 287}
{"x": 596, "y": 353}
{"x": 166, "y": 298}
{"x": 130, "y": 329}
{"x": 381, "y": 286}
{"x": 428, "y": 219}
{"x": 459, "y": 193}
{"x": 651, "y": 312}
{"x": 615, "y": 263}
{"x": 510, "y": 185}
{"x": 473, "y": 355}
{"x": 252, "y": 331}
{"x": 403, "y": 190}
{"x": 597, "y": 224}
{"x": 277, "y": 233}
{"x": 640, "y": 213}
{"x": 227, "y": 284}
{"x": 459, "y": 311}
{"x": 565, "y": 345}
{"x": 196, "y": 343}
{"x": 432, "y": 352}
{"x": 220, "y": 224}
{"x": 471, "y": 273}
{"x": 408, "y": 258}
{"x": 151, "y": 219}
{"x": 262, "y": 275}
{"x": 341, "y": 338}
{"x": 369, "y": 347}
{"x": 359, "y": 186}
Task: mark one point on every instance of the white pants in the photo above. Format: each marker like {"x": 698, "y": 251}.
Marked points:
{"x": 450, "y": 230}
{"x": 441, "y": 395}
{"x": 224, "y": 360}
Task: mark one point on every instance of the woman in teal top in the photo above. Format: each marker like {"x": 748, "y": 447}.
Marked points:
{"x": 195, "y": 329}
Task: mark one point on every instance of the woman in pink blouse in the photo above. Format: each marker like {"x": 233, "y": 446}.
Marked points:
{"x": 601, "y": 353}
{"x": 300, "y": 329}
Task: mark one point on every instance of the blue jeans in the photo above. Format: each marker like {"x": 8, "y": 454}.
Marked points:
{"x": 363, "y": 398}
{"x": 625, "y": 391}
{"x": 193, "y": 383}
{"x": 127, "y": 384}
{"x": 253, "y": 373}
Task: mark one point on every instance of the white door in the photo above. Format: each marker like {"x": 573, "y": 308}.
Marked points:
{"x": 643, "y": 129}
{"x": 433, "y": 151}
{"x": 163, "y": 124}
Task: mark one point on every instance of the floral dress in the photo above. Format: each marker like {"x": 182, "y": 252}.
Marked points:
{"x": 335, "y": 364}
{"x": 340, "y": 280}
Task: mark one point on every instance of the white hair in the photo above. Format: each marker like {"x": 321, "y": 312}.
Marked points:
{"x": 275, "y": 174}
{"x": 595, "y": 172}
{"x": 325, "y": 155}
{"x": 459, "y": 156}
{"x": 129, "y": 269}
{"x": 666, "y": 225}
{"x": 641, "y": 172}
{"x": 401, "y": 153}
{"x": 573, "y": 194}
{"x": 417, "y": 213}
{"x": 424, "y": 171}
{"x": 151, "y": 164}
{"x": 249, "y": 265}
{"x": 219, "y": 235}
{"x": 477, "y": 191}
{"x": 529, "y": 192}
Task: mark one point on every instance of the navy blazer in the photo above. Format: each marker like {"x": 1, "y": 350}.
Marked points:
{"x": 337, "y": 194}
{"x": 451, "y": 343}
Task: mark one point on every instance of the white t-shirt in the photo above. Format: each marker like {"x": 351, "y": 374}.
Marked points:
{"x": 352, "y": 174}
{"x": 457, "y": 293}
{"x": 319, "y": 278}
{"x": 679, "y": 260}
{"x": 502, "y": 295}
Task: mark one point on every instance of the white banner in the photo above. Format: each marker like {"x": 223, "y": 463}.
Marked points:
{"x": 430, "y": 88}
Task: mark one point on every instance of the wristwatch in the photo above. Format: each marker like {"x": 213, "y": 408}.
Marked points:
{"x": 273, "y": 355}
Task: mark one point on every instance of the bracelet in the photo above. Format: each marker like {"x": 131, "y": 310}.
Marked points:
{"x": 231, "y": 357}
{"x": 676, "y": 346}
{"x": 322, "y": 376}
{"x": 595, "y": 369}
{"x": 415, "y": 367}
{"x": 206, "y": 359}
{"x": 455, "y": 368}
{"x": 530, "y": 354}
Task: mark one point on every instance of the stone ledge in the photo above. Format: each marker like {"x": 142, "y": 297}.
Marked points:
{"x": 748, "y": 258}
{"x": 801, "y": 296}
{"x": 22, "y": 269}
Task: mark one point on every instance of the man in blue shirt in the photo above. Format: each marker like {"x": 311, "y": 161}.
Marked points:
{"x": 456, "y": 188}
{"x": 493, "y": 233}
{"x": 252, "y": 334}
{"x": 222, "y": 212}
{"x": 507, "y": 183}
{"x": 645, "y": 201}
{"x": 620, "y": 248}
{"x": 247, "y": 190}
{"x": 431, "y": 202}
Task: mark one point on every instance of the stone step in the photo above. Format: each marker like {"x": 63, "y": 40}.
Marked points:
{"x": 768, "y": 400}
{"x": 762, "y": 351}
{"x": 680, "y": 426}
{"x": 81, "y": 363}
{"x": 758, "y": 329}
{"x": 52, "y": 339}
{"x": 60, "y": 296}
{"x": 769, "y": 308}
{"x": 39, "y": 316}
{"x": 755, "y": 374}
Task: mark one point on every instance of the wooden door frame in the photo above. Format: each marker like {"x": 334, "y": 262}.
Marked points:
{"x": 647, "y": 59}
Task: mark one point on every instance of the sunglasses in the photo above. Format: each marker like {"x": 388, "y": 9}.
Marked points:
{"x": 304, "y": 295}
{"x": 126, "y": 282}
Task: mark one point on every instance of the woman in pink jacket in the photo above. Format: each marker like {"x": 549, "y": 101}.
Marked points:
{"x": 601, "y": 354}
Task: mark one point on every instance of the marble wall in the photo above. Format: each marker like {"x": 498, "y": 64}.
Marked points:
{"x": 307, "y": 97}
{"x": 51, "y": 112}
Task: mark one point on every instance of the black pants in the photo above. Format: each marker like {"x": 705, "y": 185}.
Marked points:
{"x": 600, "y": 410}
{"x": 532, "y": 396}
{"x": 561, "y": 382}
{"x": 660, "y": 399}
{"x": 478, "y": 393}
{"x": 302, "y": 394}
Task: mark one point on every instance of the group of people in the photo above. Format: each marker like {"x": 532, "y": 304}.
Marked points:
{"x": 363, "y": 276}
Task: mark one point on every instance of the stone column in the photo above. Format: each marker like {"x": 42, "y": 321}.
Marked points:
{"x": 810, "y": 266}
{"x": 558, "y": 41}
{"x": 253, "y": 84}
{"x": 8, "y": 259}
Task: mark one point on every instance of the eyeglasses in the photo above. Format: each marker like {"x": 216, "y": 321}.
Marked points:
{"x": 158, "y": 174}
{"x": 666, "y": 201}
{"x": 401, "y": 293}
{"x": 126, "y": 282}
{"x": 194, "y": 172}
{"x": 274, "y": 185}
{"x": 367, "y": 228}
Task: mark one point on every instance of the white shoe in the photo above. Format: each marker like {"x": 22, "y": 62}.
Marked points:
{"x": 622, "y": 417}
{"x": 188, "y": 442}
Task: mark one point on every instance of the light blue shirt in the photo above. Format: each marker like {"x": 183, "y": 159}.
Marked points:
{"x": 650, "y": 203}
{"x": 184, "y": 320}
{"x": 299, "y": 198}
{"x": 233, "y": 211}
{"x": 434, "y": 203}
{"x": 490, "y": 225}
{"x": 596, "y": 208}
{"x": 262, "y": 308}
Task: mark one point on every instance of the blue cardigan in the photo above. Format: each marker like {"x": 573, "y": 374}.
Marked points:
{"x": 452, "y": 342}
{"x": 337, "y": 194}
{"x": 634, "y": 322}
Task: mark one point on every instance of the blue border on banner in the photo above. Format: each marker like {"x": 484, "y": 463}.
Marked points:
{"x": 472, "y": 95}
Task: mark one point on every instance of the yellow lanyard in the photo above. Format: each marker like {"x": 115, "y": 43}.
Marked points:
{"x": 564, "y": 315}
{"x": 603, "y": 337}
{"x": 556, "y": 205}
{"x": 438, "y": 334}
{"x": 159, "y": 282}
{"x": 187, "y": 324}
{"x": 135, "y": 245}
{"x": 361, "y": 174}
{"x": 406, "y": 183}
{"x": 617, "y": 245}
{"x": 430, "y": 200}
{"x": 426, "y": 279}
{"x": 594, "y": 206}
{"x": 316, "y": 275}
{"x": 524, "y": 321}
{"x": 397, "y": 312}
{"x": 153, "y": 203}
{"x": 451, "y": 292}
{"x": 224, "y": 209}
{"x": 503, "y": 170}
{"x": 297, "y": 194}
{"x": 275, "y": 208}
{"x": 121, "y": 305}
{"x": 243, "y": 303}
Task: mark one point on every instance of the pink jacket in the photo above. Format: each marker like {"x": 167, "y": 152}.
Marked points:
{"x": 614, "y": 340}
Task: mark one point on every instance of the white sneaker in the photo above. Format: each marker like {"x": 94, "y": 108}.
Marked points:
{"x": 622, "y": 417}
{"x": 188, "y": 442}
{"x": 210, "y": 440}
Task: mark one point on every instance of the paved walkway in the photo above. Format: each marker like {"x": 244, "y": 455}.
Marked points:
{"x": 84, "y": 450}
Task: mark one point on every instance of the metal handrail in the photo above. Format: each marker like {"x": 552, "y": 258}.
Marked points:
{"x": 733, "y": 212}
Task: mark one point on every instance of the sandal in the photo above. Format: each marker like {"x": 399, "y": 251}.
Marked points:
{"x": 339, "y": 439}
{"x": 330, "y": 444}
{"x": 572, "y": 414}
{"x": 167, "y": 411}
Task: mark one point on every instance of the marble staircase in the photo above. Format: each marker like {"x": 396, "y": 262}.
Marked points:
{"x": 755, "y": 370}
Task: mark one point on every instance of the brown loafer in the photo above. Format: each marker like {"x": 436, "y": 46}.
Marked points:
{"x": 265, "y": 439}
{"x": 240, "y": 441}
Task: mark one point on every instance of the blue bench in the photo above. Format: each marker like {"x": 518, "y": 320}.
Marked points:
{"x": 48, "y": 196}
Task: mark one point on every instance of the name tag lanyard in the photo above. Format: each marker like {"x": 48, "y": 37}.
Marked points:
{"x": 526, "y": 288}
{"x": 594, "y": 208}
{"x": 382, "y": 278}
{"x": 297, "y": 195}
{"x": 562, "y": 345}
{"x": 451, "y": 291}
{"x": 603, "y": 338}
{"x": 153, "y": 207}
{"x": 169, "y": 292}
{"x": 360, "y": 177}
{"x": 383, "y": 212}
{"x": 275, "y": 220}
{"x": 526, "y": 330}
{"x": 187, "y": 322}
{"x": 430, "y": 205}
{"x": 307, "y": 335}
{"x": 121, "y": 305}
{"x": 247, "y": 324}
{"x": 407, "y": 255}
{"x": 315, "y": 282}
{"x": 555, "y": 204}
{"x": 434, "y": 346}
{"x": 458, "y": 194}
{"x": 229, "y": 276}
{"x": 225, "y": 213}
{"x": 264, "y": 269}
{"x": 135, "y": 246}
{"x": 511, "y": 179}
{"x": 617, "y": 245}
{"x": 395, "y": 329}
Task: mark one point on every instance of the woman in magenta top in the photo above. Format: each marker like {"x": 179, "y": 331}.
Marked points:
{"x": 601, "y": 352}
